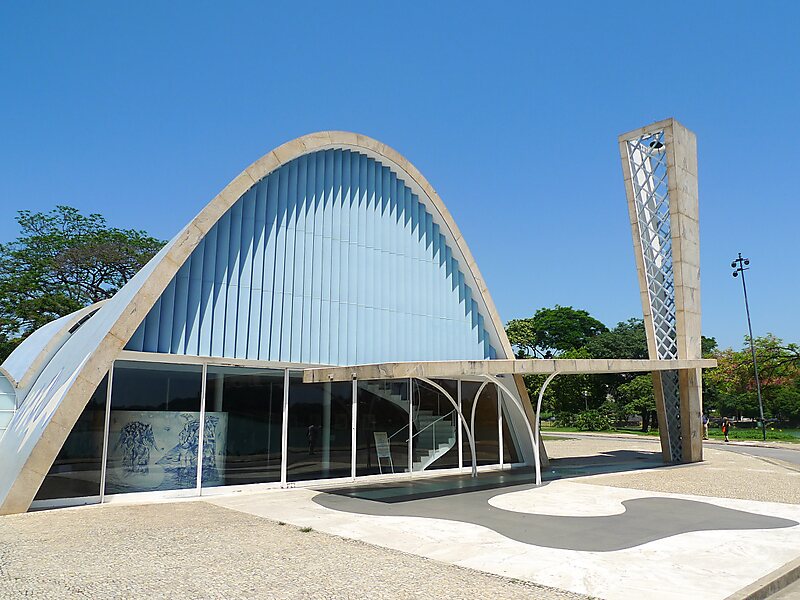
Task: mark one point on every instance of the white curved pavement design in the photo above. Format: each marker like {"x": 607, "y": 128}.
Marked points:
{"x": 697, "y": 564}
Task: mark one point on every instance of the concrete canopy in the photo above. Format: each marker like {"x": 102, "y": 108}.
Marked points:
{"x": 478, "y": 368}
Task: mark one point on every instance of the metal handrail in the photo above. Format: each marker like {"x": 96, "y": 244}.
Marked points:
{"x": 411, "y": 410}
{"x": 432, "y": 423}
{"x": 398, "y": 431}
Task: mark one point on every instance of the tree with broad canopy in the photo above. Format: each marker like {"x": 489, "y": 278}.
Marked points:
{"x": 62, "y": 261}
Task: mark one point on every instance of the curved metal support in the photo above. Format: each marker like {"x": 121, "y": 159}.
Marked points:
{"x": 534, "y": 435}
{"x": 463, "y": 420}
{"x": 536, "y": 425}
{"x": 534, "y": 439}
{"x": 474, "y": 406}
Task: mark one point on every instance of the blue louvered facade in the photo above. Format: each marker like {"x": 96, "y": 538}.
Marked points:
{"x": 330, "y": 259}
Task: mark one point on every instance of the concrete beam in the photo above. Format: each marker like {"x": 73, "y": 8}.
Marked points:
{"x": 454, "y": 369}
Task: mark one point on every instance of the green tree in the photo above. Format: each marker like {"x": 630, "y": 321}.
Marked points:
{"x": 627, "y": 340}
{"x": 62, "y": 261}
{"x": 569, "y": 395}
{"x": 779, "y": 370}
{"x": 636, "y": 397}
{"x": 711, "y": 393}
{"x": 708, "y": 346}
{"x": 561, "y": 331}
{"x": 552, "y": 330}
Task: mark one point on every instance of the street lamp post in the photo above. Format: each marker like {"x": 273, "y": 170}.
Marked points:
{"x": 739, "y": 265}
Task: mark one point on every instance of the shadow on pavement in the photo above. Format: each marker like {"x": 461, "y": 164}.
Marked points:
{"x": 617, "y": 461}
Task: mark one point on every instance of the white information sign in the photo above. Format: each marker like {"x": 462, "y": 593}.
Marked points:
{"x": 382, "y": 444}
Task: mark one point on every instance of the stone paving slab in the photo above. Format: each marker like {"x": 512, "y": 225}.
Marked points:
{"x": 682, "y": 565}
{"x": 722, "y": 473}
{"x": 198, "y": 550}
{"x": 677, "y": 566}
{"x": 201, "y": 549}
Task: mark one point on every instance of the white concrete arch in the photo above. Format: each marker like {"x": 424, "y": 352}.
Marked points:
{"x": 28, "y": 359}
{"x": 60, "y": 392}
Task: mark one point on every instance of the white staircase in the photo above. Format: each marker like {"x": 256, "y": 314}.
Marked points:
{"x": 434, "y": 435}
{"x": 388, "y": 391}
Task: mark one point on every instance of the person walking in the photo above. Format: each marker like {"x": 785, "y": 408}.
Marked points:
{"x": 705, "y": 426}
{"x": 311, "y": 435}
{"x": 726, "y": 425}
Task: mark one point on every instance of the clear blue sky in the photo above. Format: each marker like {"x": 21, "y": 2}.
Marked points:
{"x": 144, "y": 111}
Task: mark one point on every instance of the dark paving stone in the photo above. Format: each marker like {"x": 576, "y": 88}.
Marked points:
{"x": 644, "y": 520}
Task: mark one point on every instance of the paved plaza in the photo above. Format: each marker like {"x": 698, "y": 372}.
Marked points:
{"x": 587, "y": 535}
{"x": 735, "y": 470}
{"x": 198, "y": 550}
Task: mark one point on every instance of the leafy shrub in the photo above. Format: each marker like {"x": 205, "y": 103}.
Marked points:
{"x": 594, "y": 420}
{"x": 565, "y": 419}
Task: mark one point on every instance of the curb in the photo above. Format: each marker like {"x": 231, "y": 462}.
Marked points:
{"x": 785, "y": 446}
{"x": 712, "y": 442}
{"x": 769, "y": 584}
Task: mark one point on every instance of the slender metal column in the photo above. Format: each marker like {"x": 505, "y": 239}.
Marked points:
{"x": 461, "y": 416}
{"x": 106, "y": 427}
{"x": 353, "y": 431}
{"x": 410, "y": 426}
{"x": 499, "y": 425}
{"x": 460, "y": 433}
{"x": 741, "y": 269}
{"x": 285, "y": 429}
{"x": 201, "y": 429}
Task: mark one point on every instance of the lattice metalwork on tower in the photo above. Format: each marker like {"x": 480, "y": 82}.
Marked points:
{"x": 647, "y": 159}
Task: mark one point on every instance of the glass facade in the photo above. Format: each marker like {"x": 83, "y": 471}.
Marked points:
{"x": 243, "y": 422}
{"x": 77, "y": 469}
{"x": 487, "y": 447}
{"x": 319, "y": 442}
{"x": 382, "y": 427}
{"x": 154, "y": 427}
{"x": 436, "y": 425}
{"x": 170, "y": 430}
{"x": 510, "y": 453}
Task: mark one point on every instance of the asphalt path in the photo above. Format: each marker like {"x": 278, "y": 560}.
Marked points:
{"x": 788, "y": 455}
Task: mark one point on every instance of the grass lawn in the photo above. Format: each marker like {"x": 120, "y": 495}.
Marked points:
{"x": 777, "y": 435}
{"x": 774, "y": 434}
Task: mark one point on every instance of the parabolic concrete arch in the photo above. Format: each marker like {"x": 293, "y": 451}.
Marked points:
{"x": 61, "y": 389}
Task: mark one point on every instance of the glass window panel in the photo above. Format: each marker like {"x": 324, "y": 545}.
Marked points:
{"x": 435, "y": 426}
{"x": 154, "y": 427}
{"x": 486, "y": 439}
{"x": 319, "y": 437}
{"x": 242, "y": 434}
{"x": 510, "y": 453}
{"x": 382, "y": 431}
{"x": 76, "y": 471}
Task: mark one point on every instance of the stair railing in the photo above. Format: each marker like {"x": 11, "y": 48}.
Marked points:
{"x": 398, "y": 431}
{"x": 431, "y": 424}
